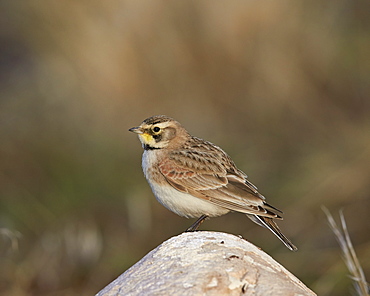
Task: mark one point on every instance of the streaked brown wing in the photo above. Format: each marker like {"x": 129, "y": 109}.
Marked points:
{"x": 184, "y": 178}
{"x": 208, "y": 179}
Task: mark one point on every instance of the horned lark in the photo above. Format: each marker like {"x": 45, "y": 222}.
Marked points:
{"x": 197, "y": 179}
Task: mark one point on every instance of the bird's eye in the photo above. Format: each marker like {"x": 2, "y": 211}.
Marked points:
{"x": 156, "y": 129}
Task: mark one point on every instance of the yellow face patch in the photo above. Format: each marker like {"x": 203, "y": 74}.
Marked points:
{"x": 146, "y": 138}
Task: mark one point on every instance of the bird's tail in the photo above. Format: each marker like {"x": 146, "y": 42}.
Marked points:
{"x": 270, "y": 224}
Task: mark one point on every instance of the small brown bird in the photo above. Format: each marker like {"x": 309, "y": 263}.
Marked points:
{"x": 197, "y": 179}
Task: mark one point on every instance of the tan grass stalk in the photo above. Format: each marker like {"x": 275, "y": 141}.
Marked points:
{"x": 349, "y": 254}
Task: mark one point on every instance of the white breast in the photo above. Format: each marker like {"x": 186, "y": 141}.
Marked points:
{"x": 182, "y": 204}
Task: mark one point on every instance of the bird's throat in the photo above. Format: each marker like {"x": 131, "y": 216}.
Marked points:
{"x": 148, "y": 147}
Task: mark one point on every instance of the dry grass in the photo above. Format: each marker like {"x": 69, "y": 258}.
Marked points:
{"x": 349, "y": 255}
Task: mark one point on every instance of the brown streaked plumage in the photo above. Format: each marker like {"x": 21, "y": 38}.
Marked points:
{"x": 197, "y": 179}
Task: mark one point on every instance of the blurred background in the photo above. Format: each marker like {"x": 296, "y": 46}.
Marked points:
{"x": 283, "y": 87}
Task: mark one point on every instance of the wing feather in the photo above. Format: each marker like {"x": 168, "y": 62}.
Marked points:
{"x": 205, "y": 175}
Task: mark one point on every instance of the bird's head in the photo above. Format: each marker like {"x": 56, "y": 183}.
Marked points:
{"x": 159, "y": 132}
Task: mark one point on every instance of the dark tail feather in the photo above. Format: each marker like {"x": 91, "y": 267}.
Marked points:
{"x": 270, "y": 224}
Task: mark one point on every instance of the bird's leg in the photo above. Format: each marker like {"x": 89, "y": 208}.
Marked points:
{"x": 196, "y": 224}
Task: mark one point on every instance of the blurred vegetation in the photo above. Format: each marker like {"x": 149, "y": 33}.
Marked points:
{"x": 283, "y": 87}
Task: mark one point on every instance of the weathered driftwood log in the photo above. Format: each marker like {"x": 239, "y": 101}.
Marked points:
{"x": 206, "y": 263}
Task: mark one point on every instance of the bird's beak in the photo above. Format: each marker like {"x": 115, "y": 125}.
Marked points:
{"x": 136, "y": 130}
